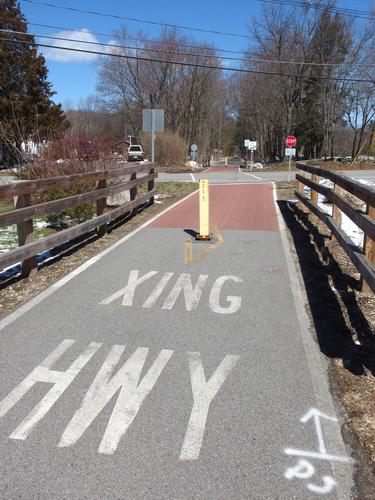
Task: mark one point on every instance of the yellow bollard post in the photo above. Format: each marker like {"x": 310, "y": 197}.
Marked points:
{"x": 204, "y": 224}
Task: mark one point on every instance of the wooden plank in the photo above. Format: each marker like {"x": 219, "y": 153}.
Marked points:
{"x": 364, "y": 193}
{"x": 360, "y": 261}
{"x": 16, "y": 216}
{"x": 369, "y": 248}
{"x": 363, "y": 221}
{"x": 66, "y": 181}
{"x": 101, "y": 205}
{"x": 25, "y": 234}
{"x": 19, "y": 254}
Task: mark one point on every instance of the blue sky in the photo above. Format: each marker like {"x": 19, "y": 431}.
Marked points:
{"x": 74, "y": 77}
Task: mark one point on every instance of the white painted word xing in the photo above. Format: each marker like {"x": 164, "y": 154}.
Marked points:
{"x": 131, "y": 390}
{"x": 218, "y": 303}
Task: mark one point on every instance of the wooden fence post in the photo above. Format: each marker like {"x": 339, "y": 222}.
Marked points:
{"x": 101, "y": 205}
{"x": 368, "y": 248}
{"x": 336, "y": 212}
{"x": 301, "y": 186}
{"x": 134, "y": 192}
{"x": 151, "y": 185}
{"x": 314, "y": 194}
{"x": 25, "y": 233}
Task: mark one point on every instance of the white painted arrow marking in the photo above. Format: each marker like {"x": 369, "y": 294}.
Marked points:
{"x": 317, "y": 415}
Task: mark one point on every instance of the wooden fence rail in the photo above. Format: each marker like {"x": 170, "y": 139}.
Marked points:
{"x": 362, "y": 258}
{"x": 25, "y": 211}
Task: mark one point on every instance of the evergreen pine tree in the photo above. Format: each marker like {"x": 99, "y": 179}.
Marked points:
{"x": 26, "y": 108}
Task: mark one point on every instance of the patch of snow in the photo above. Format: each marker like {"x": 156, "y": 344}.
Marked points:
{"x": 40, "y": 224}
{"x": 192, "y": 164}
{"x": 352, "y": 230}
{"x": 366, "y": 182}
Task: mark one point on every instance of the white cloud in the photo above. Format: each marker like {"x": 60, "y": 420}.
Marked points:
{"x": 83, "y": 36}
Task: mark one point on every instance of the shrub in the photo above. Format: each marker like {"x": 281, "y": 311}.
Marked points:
{"x": 170, "y": 149}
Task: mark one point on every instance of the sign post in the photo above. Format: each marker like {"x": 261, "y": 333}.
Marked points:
{"x": 204, "y": 224}
{"x": 290, "y": 151}
{"x": 247, "y": 144}
{"x": 193, "y": 149}
{"x": 153, "y": 121}
{"x": 252, "y": 147}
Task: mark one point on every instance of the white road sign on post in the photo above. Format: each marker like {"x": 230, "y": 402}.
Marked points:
{"x": 153, "y": 121}
{"x": 193, "y": 149}
{"x": 290, "y": 151}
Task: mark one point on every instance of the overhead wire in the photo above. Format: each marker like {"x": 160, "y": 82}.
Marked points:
{"x": 177, "y": 53}
{"x": 182, "y": 63}
{"x": 324, "y": 7}
{"x": 137, "y": 39}
{"x": 133, "y": 19}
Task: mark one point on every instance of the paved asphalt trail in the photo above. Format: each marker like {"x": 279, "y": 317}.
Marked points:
{"x": 235, "y": 174}
{"x": 172, "y": 369}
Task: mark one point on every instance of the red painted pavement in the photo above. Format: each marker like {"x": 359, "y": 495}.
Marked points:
{"x": 237, "y": 206}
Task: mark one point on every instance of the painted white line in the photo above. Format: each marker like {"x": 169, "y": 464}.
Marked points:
{"x": 319, "y": 456}
{"x": 50, "y": 290}
{"x": 192, "y": 176}
{"x": 317, "y": 364}
{"x": 252, "y": 175}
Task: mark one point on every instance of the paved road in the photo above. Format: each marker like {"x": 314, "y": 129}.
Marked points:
{"x": 234, "y": 174}
{"x": 172, "y": 369}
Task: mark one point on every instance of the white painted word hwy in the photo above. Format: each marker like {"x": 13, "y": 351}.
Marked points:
{"x": 192, "y": 292}
{"x": 110, "y": 380}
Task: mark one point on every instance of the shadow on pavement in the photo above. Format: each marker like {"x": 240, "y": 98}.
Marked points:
{"x": 334, "y": 333}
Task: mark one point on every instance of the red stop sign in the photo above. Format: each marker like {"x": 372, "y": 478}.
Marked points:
{"x": 291, "y": 141}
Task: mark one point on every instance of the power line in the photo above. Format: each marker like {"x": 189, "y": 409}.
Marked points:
{"x": 181, "y": 63}
{"x": 133, "y": 19}
{"x": 148, "y": 40}
{"x": 355, "y": 13}
{"x": 177, "y": 53}
{"x": 130, "y": 47}
{"x": 137, "y": 39}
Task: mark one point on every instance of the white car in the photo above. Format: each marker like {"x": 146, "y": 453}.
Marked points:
{"x": 135, "y": 153}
